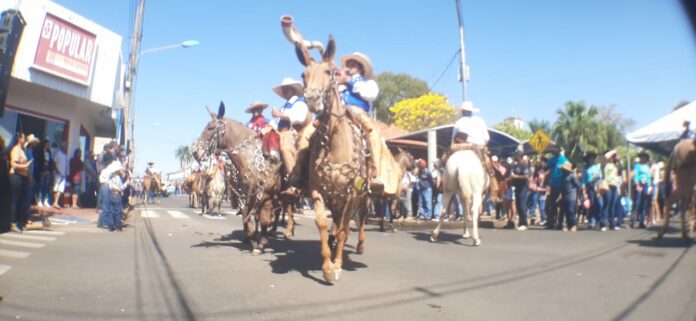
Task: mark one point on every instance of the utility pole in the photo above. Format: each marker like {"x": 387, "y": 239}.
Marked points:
{"x": 129, "y": 110}
{"x": 463, "y": 67}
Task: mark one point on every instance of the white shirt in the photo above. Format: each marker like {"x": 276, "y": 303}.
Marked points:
{"x": 297, "y": 114}
{"x": 475, "y": 127}
{"x": 61, "y": 162}
{"x": 107, "y": 172}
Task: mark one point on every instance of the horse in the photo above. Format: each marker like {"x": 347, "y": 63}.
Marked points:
{"x": 151, "y": 185}
{"x": 259, "y": 186}
{"x": 215, "y": 190}
{"x": 682, "y": 161}
{"x": 465, "y": 176}
{"x": 192, "y": 187}
{"x": 337, "y": 159}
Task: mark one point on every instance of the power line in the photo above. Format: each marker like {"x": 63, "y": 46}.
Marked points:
{"x": 446, "y": 69}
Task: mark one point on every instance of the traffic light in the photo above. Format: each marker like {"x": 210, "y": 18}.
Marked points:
{"x": 11, "y": 27}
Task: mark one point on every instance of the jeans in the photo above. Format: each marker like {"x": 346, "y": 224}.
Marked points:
{"x": 538, "y": 198}
{"x": 437, "y": 206}
{"x": 424, "y": 200}
{"x": 458, "y": 211}
{"x": 521, "y": 196}
{"x": 641, "y": 203}
{"x": 382, "y": 207}
{"x": 570, "y": 209}
{"x": 552, "y": 208}
{"x": 112, "y": 209}
{"x": 597, "y": 203}
{"x": 102, "y": 199}
{"x": 609, "y": 209}
{"x": 405, "y": 203}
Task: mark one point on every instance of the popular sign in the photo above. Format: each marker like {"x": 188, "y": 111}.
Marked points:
{"x": 539, "y": 141}
{"x": 65, "y": 50}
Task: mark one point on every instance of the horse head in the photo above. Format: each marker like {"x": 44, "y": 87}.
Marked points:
{"x": 205, "y": 144}
{"x": 319, "y": 77}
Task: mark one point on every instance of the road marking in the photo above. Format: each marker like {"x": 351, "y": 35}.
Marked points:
{"x": 178, "y": 215}
{"x": 214, "y": 217}
{"x": 4, "y": 268}
{"x": 230, "y": 212}
{"x": 27, "y": 237}
{"x": 14, "y": 254}
{"x": 44, "y": 232}
{"x": 22, "y": 244}
{"x": 147, "y": 213}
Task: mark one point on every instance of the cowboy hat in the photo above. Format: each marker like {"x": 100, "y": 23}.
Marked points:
{"x": 567, "y": 166}
{"x": 363, "y": 60}
{"x": 256, "y": 105}
{"x": 32, "y": 139}
{"x": 610, "y": 154}
{"x": 467, "y": 106}
{"x": 289, "y": 87}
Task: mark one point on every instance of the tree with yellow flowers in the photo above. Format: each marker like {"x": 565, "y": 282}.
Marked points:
{"x": 426, "y": 111}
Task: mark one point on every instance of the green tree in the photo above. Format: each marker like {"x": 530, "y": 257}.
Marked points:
{"x": 183, "y": 154}
{"x": 426, "y": 111}
{"x": 540, "y": 124}
{"x": 613, "y": 126}
{"x": 577, "y": 129}
{"x": 394, "y": 88}
{"x": 510, "y": 129}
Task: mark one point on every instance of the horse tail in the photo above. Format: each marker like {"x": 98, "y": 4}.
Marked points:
{"x": 668, "y": 175}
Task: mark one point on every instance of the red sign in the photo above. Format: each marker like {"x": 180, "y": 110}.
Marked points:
{"x": 65, "y": 50}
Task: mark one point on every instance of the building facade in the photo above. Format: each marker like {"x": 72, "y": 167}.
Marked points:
{"x": 67, "y": 78}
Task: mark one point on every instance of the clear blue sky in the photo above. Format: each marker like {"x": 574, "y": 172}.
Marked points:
{"x": 527, "y": 58}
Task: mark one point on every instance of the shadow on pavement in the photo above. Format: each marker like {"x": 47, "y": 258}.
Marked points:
{"x": 443, "y": 238}
{"x": 665, "y": 242}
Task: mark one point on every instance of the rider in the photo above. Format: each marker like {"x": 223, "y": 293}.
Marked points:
{"x": 153, "y": 172}
{"x": 358, "y": 91}
{"x": 471, "y": 132}
{"x": 292, "y": 121}
{"x": 257, "y": 121}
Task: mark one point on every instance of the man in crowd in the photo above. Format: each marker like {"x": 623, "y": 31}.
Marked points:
{"x": 591, "y": 176}
{"x": 425, "y": 190}
{"x": 60, "y": 173}
{"x": 519, "y": 176}
{"x": 555, "y": 179}
{"x": 643, "y": 189}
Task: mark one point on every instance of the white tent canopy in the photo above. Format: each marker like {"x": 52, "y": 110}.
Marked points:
{"x": 662, "y": 134}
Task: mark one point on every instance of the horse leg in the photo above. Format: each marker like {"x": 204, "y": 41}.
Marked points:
{"x": 665, "y": 223}
{"x": 321, "y": 223}
{"x": 685, "y": 209}
{"x": 446, "y": 199}
{"x": 290, "y": 227}
{"x": 475, "y": 205}
{"x": 362, "y": 220}
{"x": 468, "y": 201}
{"x": 265, "y": 221}
{"x": 343, "y": 223}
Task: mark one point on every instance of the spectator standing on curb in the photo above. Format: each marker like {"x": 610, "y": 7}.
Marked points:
{"x": 540, "y": 189}
{"x": 19, "y": 181}
{"x": 569, "y": 190}
{"x": 75, "y": 177}
{"x": 611, "y": 177}
{"x": 425, "y": 190}
{"x": 555, "y": 179}
{"x": 591, "y": 177}
{"x": 643, "y": 188}
{"x": 5, "y": 214}
{"x": 520, "y": 180}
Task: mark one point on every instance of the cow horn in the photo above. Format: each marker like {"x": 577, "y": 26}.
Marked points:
{"x": 295, "y": 36}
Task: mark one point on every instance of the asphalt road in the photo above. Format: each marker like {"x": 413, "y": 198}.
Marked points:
{"x": 172, "y": 264}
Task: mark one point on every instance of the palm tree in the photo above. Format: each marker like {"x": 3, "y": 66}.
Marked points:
{"x": 577, "y": 129}
{"x": 540, "y": 124}
{"x": 183, "y": 154}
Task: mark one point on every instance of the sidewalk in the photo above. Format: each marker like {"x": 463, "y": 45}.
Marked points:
{"x": 66, "y": 215}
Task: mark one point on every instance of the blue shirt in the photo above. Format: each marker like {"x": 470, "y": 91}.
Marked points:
{"x": 641, "y": 174}
{"x": 555, "y": 164}
{"x": 352, "y": 98}
{"x": 591, "y": 174}
{"x": 425, "y": 179}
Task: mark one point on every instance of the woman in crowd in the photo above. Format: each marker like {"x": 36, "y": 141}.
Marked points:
{"x": 19, "y": 182}
{"x": 611, "y": 196}
{"x": 4, "y": 189}
{"x": 75, "y": 177}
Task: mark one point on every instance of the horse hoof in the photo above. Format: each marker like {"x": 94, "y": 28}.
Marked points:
{"x": 360, "y": 249}
{"x": 256, "y": 252}
{"x": 288, "y": 235}
{"x": 330, "y": 276}
{"x": 466, "y": 235}
{"x": 433, "y": 238}
{"x": 477, "y": 242}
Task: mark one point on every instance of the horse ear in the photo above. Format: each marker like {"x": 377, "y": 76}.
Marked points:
{"x": 302, "y": 54}
{"x": 221, "y": 110}
{"x": 330, "y": 50}
{"x": 212, "y": 114}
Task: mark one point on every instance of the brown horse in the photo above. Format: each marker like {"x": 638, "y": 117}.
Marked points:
{"x": 337, "y": 161}
{"x": 151, "y": 185}
{"x": 682, "y": 162}
{"x": 256, "y": 180}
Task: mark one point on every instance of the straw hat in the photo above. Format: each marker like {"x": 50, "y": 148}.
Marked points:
{"x": 363, "y": 60}
{"x": 32, "y": 139}
{"x": 467, "y": 106}
{"x": 567, "y": 166}
{"x": 256, "y": 105}
{"x": 289, "y": 87}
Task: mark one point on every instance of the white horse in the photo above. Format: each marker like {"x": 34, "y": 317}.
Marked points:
{"x": 464, "y": 176}
{"x": 215, "y": 189}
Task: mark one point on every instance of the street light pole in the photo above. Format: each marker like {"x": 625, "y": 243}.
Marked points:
{"x": 128, "y": 119}
{"x": 463, "y": 67}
